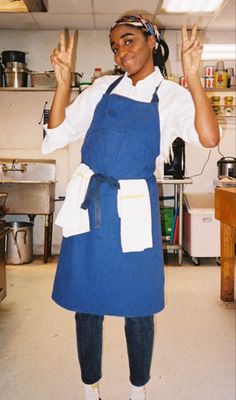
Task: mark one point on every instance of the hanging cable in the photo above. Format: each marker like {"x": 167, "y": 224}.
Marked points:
{"x": 218, "y": 147}
{"x": 208, "y": 157}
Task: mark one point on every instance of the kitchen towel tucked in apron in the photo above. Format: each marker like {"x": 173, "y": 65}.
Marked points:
{"x": 93, "y": 274}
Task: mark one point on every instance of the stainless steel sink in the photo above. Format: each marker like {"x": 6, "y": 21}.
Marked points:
{"x": 29, "y": 197}
{"x": 30, "y": 185}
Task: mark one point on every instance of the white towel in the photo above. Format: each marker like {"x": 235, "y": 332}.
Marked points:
{"x": 72, "y": 218}
{"x": 133, "y": 203}
{"x": 134, "y": 210}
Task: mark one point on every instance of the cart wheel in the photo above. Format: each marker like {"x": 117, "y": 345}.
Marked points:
{"x": 196, "y": 261}
{"x": 218, "y": 262}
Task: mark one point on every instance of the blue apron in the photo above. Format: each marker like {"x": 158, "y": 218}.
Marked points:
{"x": 93, "y": 274}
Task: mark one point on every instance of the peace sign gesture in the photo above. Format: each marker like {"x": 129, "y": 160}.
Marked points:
{"x": 191, "y": 51}
{"x": 61, "y": 60}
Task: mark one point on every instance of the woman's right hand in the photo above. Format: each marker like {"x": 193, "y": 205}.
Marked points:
{"x": 61, "y": 61}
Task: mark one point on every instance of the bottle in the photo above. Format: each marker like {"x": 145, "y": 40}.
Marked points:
{"x": 97, "y": 73}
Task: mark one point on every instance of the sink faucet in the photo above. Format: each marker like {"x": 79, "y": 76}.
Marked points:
{"x": 13, "y": 167}
{"x": 22, "y": 168}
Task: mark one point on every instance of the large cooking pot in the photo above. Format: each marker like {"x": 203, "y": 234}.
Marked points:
{"x": 19, "y": 243}
{"x": 16, "y": 77}
{"x": 13, "y": 55}
{"x": 226, "y": 167}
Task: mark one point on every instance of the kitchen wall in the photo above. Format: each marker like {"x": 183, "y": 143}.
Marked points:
{"x": 20, "y": 112}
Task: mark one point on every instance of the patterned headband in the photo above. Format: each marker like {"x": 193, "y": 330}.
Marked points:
{"x": 139, "y": 22}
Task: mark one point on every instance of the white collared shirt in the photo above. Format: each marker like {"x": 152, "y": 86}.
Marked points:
{"x": 176, "y": 111}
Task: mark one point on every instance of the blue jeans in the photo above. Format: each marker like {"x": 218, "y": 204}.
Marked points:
{"x": 139, "y": 338}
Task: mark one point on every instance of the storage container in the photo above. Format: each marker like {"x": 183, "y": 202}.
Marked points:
{"x": 167, "y": 219}
{"x": 48, "y": 79}
{"x": 201, "y": 229}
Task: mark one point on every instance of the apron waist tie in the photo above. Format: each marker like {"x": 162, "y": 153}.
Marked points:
{"x": 93, "y": 193}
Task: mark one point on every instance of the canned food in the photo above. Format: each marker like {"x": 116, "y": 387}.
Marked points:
{"x": 210, "y": 71}
{"x": 183, "y": 81}
{"x": 216, "y": 109}
{"x": 215, "y": 100}
{"x": 221, "y": 79}
{"x": 173, "y": 78}
{"x": 228, "y": 111}
{"x": 228, "y": 100}
{"x": 209, "y": 83}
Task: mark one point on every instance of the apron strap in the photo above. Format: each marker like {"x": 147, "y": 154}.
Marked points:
{"x": 114, "y": 84}
{"x": 93, "y": 193}
{"x": 155, "y": 98}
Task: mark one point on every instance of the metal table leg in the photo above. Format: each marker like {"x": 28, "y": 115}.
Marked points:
{"x": 180, "y": 251}
{"x": 47, "y": 237}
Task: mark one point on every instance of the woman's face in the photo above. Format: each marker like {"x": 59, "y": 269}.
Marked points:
{"x": 133, "y": 51}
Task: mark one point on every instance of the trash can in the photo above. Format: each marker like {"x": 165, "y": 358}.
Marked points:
{"x": 19, "y": 243}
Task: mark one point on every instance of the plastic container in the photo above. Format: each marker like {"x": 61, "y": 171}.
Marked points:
{"x": 19, "y": 243}
{"x": 201, "y": 229}
{"x": 167, "y": 219}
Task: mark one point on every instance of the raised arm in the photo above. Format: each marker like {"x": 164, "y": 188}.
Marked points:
{"x": 206, "y": 123}
{"x": 61, "y": 61}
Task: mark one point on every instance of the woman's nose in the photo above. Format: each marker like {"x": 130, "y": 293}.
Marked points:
{"x": 122, "y": 51}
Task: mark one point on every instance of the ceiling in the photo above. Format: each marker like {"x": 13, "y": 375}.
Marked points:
{"x": 100, "y": 15}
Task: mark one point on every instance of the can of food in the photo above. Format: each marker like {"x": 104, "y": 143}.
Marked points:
{"x": 209, "y": 83}
{"x": 210, "y": 71}
{"x": 215, "y": 100}
{"x": 228, "y": 111}
{"x": 183, "y": 81}
{"x": 228, "y": 100}
{"x": 221, "y": 79}
{"x": 216, "y": 110}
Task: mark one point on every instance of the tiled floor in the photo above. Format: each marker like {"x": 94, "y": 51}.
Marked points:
{"x": 194, "y": 353}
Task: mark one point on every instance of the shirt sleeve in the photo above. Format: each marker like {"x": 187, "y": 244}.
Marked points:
{"x": 78, "y": 117}
{"x": 184, "y": 115}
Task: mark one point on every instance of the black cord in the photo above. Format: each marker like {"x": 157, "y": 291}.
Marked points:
{"x": 44, "y": 107}
{"x": 208, "y": 157}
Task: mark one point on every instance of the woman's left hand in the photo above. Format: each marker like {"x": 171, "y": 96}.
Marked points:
{"x": 191, "y": 51}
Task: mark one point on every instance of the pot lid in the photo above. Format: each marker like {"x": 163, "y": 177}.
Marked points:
{"x": 226, "y": 160}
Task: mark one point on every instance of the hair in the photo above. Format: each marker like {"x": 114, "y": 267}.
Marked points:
{"x": 159, "y": 58}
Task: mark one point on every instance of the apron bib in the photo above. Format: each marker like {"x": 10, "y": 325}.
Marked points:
{"x": 93, "y": 274}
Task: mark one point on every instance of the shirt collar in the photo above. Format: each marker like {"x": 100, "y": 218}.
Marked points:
{"x": 154, "y": 78}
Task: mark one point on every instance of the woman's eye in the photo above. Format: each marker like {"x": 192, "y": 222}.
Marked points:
{"x": 114, "y": 50}
{"x": 128, "y": 42}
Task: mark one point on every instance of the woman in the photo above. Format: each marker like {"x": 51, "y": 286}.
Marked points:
{"x": 111, "y": 256}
